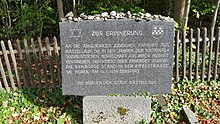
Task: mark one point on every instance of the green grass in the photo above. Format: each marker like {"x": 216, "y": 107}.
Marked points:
{"x": 46, "y": 106}
{"x": 43, "y": 106}
{"x": 201, "y": 98}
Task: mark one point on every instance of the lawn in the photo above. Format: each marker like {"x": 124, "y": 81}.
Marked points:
{"x": 49, "y": 106}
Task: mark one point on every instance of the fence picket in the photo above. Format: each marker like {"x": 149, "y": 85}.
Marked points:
{"x": 56, "y": 51}
{"x": 36, "y": 62}
{"x": 22, "y": 64}
{"x": 197, "y": 54}
{"x": 210, "y": 53}
{"x": 30, "y": 70}
{"x": 1, "y": 88}
{"x": 14, "y": 63}
{"x": 51, "y": 53}
{"x": 203, "y": 54}
{"x": 177, "y": 56}
{"x": 41, "y": 54}
{"x": 8, "y": 65}
{"x": 184, "y": 53}
{"x": 190, "y": 53}
{"x": 216, "y": 54}
{"x": 51, "y": 62}
{"x": 4, "y": 76}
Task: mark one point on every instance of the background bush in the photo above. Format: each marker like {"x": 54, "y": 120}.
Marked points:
{"x": 30, "y": 18}
{"x": 201, "y": 13}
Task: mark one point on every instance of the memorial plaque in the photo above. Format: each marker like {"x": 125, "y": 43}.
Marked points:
{"x": 116, "y": 56}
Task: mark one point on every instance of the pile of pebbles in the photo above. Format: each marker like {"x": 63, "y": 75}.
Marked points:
{"x": 113, "y": 15}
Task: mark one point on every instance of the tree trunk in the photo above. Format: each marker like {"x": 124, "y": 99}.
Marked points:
{"x": 60, "y": 8}
{"x": 215, "y": 14}
{"x": 179, "y": 7}
{"x": 74, "y": 8}
{"x": 186, "y": 13}
{"x": 8, "y": 14}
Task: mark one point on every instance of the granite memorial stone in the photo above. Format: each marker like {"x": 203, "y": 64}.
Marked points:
{"x": 116, "y": 56}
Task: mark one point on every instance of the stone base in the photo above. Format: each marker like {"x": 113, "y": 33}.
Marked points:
{"x": 189, "y": 116}
{"x": 115, "y": 110}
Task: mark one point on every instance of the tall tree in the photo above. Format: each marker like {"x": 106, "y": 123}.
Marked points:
{"x": 215, "y": 13}
{"x": 179, "y": 7}
{"x": 5, "y": 13}
{"x": 74, "y": 8}
{"x": 181, "y": 12}
{"x": 186, "y": 13}
{"x": 60, "y": 8}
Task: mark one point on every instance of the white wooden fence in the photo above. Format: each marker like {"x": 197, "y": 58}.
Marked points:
{"x": 36, "y": 63}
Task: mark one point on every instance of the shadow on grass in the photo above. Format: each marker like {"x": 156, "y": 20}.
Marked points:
{"x": 51, "y": 103}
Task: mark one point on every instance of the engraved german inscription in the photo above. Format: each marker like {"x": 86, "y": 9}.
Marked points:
{"x": 116, "y": 56}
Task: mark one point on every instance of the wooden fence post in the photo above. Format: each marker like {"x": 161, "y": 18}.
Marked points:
{"x": 4, "y": 76}
{"x": 210, "y": 53}
{"x": 22, "y": 64}
{"x": 190, "y": 53}
{"x": 30, "y": 70}
{"x": 177, "y": 55}
{"x": 14, "y": 63}
{"x": 184, "y": 53}
{"x": 36, "y": 61}
{"x": 50, "y": 61}
{"x": 216, "y": 54}
{"x": 56, "y": 51}
{"x": 8, "y": 65}
{"x": 1, "y": 88}
{"x": 197, "y": 54}
{"x": 203, "y": 54}
{"x": 41, "y": 54}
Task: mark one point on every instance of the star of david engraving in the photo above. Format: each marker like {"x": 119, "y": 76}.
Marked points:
{"x": 76, "y": 33}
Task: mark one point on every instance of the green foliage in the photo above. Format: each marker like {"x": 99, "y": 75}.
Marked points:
{"x": 40, "y": 106}
{"x": 99, "y": 6}
{"x": 202, "y": 98}
{"x": 159, "y": 7}
{"x": 201, "y": 13}
{"x": 163, "y": 7}
{"x": 47, "y": 106}
{"x": 28, "y": 19}
{"x": 202, "y": 7}
{"x": 25, "y": 18}
{"x": 35, "y": 17}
